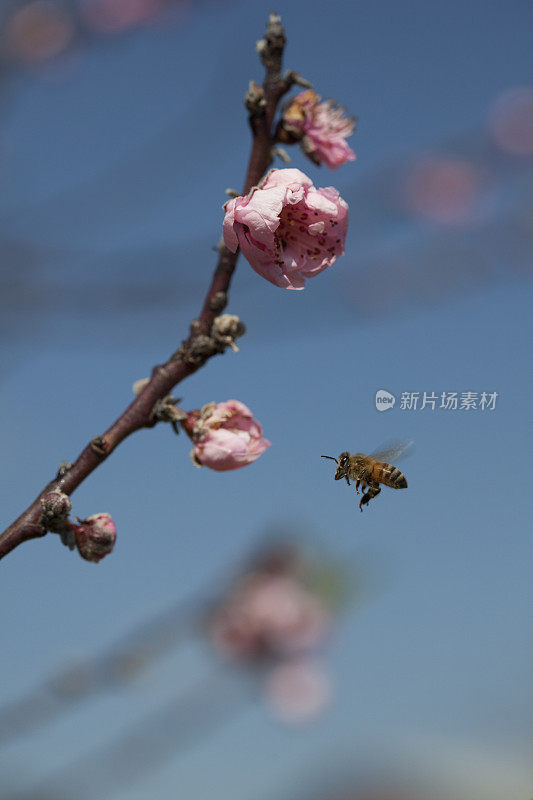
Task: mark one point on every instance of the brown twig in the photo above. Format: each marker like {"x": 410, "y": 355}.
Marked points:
{"x": 200, "y": 346}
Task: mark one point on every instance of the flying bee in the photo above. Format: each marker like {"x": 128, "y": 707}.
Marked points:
{"x": 369, "y": 471}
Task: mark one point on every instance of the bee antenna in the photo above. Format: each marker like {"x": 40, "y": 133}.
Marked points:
{"x": 330, "y": 457}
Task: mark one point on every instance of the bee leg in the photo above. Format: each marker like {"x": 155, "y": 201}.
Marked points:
{"x": 373, "y": 491}
{"x": 347, "y": 480}
{"x": 357, "y": 485}
{"x": 364, "y": 500}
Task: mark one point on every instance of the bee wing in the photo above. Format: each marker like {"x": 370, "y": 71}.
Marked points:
{"x": 393, "y": 451}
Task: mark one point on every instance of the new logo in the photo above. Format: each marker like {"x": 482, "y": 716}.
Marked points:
{"x": 384, "y": 400}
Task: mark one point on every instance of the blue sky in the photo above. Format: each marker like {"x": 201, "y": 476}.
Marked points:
{"x": 113, "y": 161}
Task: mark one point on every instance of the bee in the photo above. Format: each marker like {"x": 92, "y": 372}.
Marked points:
{"x": 369, "y": 471}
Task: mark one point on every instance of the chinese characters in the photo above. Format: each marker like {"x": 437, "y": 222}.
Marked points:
{"x": 448, "y": 401}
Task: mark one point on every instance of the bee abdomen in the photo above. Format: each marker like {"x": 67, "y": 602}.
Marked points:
{"x": 391, "y": 476}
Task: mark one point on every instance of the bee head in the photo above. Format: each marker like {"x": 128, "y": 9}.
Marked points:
{"x": 343, "y": 465}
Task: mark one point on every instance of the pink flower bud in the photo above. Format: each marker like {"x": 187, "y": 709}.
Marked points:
{"x": 225, "y": 435}
{"x": 95, "y": 537}
{"x": 287, "y": 230}
{"x": 321, "y": 127}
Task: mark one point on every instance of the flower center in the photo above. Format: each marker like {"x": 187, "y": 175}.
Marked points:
{"x": 304, "y": 235}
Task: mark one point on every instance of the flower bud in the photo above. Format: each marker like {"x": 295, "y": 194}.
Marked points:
{"x": 226, "y": 328}
{"x": 287, "y": 229}
{"x": 95, "y": 537}
{"x": 255, "y": 98}
{"x": 56, "y": 506}
{"x": 225, "y": 435}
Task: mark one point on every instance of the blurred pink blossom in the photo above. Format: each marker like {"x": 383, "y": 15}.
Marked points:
{"x": 95, "y": 537}
{"x": 297, "y": 691}
{"x": 38, "y": 30}
{"x": 225, "y": 435}
{"x": 287, "y": 229}
{"x": 112, "y": 16}
{"x": 444, "y": 189}
{"x": 511, "y": 121}
{"x": 322, "y": 129}
{"x": 269, "y": 616}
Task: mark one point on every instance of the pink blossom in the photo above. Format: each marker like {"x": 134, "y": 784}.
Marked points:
{"x": 511, "y": 121}
{"x": 445, "y": 190}
{"x": 226, "y": 436}
{"x": 269, "y": 616}
{"x": 38, "y": 30}
{"x": 321, "y": 127}
{"x": 95, "y": 537}
{"x": 287, "y": 229}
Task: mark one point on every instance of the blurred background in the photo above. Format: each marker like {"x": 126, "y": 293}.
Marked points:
{"x": 253, "y": 635}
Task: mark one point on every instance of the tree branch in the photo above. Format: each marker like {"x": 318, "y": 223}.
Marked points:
{"x": 200, "y": 345}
